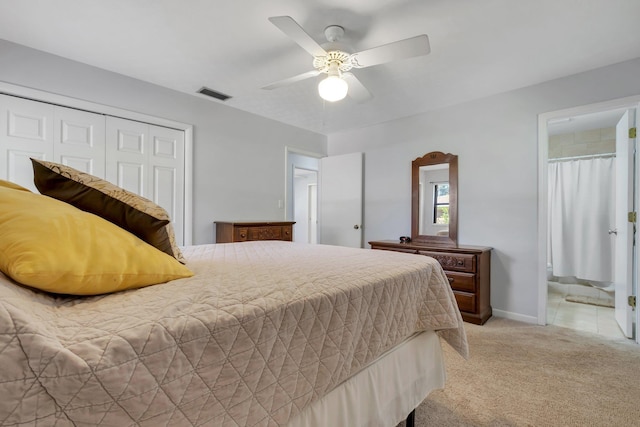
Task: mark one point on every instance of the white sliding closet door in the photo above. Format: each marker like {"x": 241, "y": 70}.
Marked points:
{"x": 27, "y": 131}
{"x": 145, "y": 159}
{"x": 126, "y": 155}
{"x": 47, "y": 132}
{"x": 148, "y": 160}
{"x": 79, "y": 140}
{"x": 166, "y": 167}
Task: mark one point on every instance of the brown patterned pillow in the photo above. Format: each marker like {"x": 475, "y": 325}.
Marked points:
{"x": 127, "y": 210}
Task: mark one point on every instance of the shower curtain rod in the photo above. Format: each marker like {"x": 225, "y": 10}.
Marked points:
{"x": 590, "y": 156}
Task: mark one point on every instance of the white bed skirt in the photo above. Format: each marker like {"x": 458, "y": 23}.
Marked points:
{"x": 385, "y": 392}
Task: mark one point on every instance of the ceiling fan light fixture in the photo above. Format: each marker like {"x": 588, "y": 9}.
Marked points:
{"x": 334, "y": 87}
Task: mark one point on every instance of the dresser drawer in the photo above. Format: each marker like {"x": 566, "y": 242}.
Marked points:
{"x": 265, "y": 233}
{"x": 450, "y": 261}
{"x": 243, "y": 234}
{"x": 466, "y": 302}
{"x": 462, "y": 281}
{"x": 228, "y": 232}
{"x": 407, "y": 250}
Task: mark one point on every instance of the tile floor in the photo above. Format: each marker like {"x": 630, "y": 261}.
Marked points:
{"x": 584, "y": 317}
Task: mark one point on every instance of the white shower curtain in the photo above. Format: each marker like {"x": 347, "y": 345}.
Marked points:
{"x": 581, "y": 213}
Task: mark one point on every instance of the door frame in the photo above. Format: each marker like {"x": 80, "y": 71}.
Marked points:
{"x": 79, "y": 104}
{"x": 543, "y": 156}
{"x": 313, "y": 206}
{"x": 296, "y": 188}
{"x": 288, "y": 176}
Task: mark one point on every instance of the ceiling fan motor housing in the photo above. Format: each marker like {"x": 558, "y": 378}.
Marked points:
{"x": 337, "y": 57}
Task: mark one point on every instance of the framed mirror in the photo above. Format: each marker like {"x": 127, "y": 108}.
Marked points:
{"x": 434, "y": 199}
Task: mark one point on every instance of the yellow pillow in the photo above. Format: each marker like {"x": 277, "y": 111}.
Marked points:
{"x": 53, "y": 246}
{"x": 134, "y": 213}
{"x": 9, "y": 184}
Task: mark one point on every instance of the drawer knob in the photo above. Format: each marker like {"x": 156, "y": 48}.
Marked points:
{"x": 450, "y": 280}
{"x": 460, "y": 262}
{"x": 243, "y": 235}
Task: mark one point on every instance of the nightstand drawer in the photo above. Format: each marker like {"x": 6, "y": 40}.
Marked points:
{"x": 462, "y": 281}
{"x": 451, "y": 261}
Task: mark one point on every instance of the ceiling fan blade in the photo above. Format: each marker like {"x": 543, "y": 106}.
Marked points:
{"x": 291, "y": 80}
{"x": 357, "y": 91}
{"x": 407, "y": 48}
{"x": 291, "y": 28}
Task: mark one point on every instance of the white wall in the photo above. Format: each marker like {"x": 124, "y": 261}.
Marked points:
{"x": 239, "y": 158}
{"x": 495, "y": 139}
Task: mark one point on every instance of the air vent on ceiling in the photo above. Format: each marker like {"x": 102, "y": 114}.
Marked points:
{"x": 212, "y": 93}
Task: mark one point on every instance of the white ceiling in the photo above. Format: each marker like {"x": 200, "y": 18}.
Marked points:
{"x": 478, "y": 47}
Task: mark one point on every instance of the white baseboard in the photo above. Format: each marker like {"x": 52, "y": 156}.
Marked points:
{"x": 515, "y": 316}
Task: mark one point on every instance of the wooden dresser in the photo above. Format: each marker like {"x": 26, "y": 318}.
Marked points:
{"x": 468, "y": 269}
{"x": 228, "y": 232}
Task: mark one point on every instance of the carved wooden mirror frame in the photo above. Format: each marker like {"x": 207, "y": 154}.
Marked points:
{"x": 429, "y": 159}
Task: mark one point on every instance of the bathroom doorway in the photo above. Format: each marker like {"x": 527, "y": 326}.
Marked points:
{"x": 578, "y": 289}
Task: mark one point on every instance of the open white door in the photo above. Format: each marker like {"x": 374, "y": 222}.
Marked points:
{"x": 340, "y": 200}
{"x": 623, "y": 274}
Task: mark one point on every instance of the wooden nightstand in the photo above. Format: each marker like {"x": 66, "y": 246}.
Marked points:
{"x": 228, "y": 232}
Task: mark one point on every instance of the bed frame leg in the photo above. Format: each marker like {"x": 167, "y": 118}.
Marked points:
{"x": 411, "y": 419}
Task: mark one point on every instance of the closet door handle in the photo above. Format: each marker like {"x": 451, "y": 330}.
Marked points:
{"x": 615, "y": 231}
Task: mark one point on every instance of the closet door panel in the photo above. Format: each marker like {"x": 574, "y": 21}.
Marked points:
{"x": 126, "y": 155}
{"x": 131, "y": 177}
{"x": 166, "y": 164}
{"x": 26, "y": 130}
{"x": 19, "y": 168}
{"x": 80, "y": 140}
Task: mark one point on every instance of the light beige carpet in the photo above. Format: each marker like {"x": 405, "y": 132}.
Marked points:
{"x": 526, "y": 375}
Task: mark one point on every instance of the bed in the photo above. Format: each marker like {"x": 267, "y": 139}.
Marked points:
{"x": 104, "y": 320}
{"x": 263, "y": 333}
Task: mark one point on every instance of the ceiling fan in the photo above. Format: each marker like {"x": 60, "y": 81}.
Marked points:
{"x": 334, "y": 59}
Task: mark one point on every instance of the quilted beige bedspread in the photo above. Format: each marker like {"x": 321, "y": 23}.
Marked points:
{"x": 262, "y": 330}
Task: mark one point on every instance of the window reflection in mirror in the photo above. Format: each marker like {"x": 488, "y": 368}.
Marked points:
{"x": 441, "y": 204}
{"x": 434, "y": 200}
